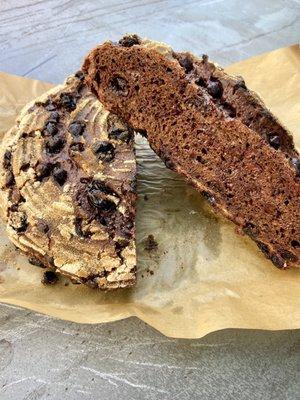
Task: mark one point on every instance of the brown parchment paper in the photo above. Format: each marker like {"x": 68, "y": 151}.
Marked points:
{"x": 203, "y": 276}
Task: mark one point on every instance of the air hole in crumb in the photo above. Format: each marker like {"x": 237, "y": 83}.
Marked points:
{"x": 295, "y": 243}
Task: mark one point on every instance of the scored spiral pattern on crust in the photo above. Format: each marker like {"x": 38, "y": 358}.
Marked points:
{"x": 67, "y": 187}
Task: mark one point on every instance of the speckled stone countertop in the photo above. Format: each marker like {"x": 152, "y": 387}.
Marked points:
{"x": 44, "y": 358}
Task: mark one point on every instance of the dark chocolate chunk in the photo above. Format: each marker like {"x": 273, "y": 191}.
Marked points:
{"x": 277, "y": 261}
{"x": 251, "y": 230}
{"x": 9, "y": 179}
{"x": 169, "y": 164}
{"x": 295, "y": 244}
{"x": 25, "y": 167}
{"x": 102, "y": 204}
{"x": 186, "y": 63}
{"x": 129, "y": 41}
{"x": 104, "y": 150}
{"x": 43, "y": 170}
{"x": 96, "y": 194}
{"x": 51, "y": 128}
{"x": 228, "y": 109}
{"x": 36, "y": 262}
{"x": 287, "y": 255}
{"x": 240, "y": 84}
{"x": 60, "y": 175}
{"x": 264, "y": 248}
{"x": 77, "y": 128}
{"x": 42, "y": 226}
{"x": 119, "y": 85}
{"x": 209, "y": 197}
{"x": 215, "y": 88}
{"x": 201, "y": 82}
{"x": 7, "y": 159}
{"x": 54, "y": 117}
{"x": 55, "y": 145}
{"x": 80, "y": 75}
{"x": 274, "y": 141}
{"x": 50, "y": 105}
{"x": 49, "y": 278}
{"x": 78, "y": 227}
{"x": 77, "y": 147}
{"x": 68, "y": 101}
{"x": 124, "y": 135}
{"x": 296, "y": 164}
{"x": 97, "y": 79}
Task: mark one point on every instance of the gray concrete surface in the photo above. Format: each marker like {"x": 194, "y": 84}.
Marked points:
{"x": 41, "y": 357}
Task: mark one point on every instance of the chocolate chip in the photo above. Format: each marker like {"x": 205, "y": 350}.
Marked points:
{"x": 51, "y": 128}
{"x": 186, "y": 63}
{"x": 77, "y": 147}
{"x": 18, "y": 221}
{"x": 101, "y": 186}
{"x": 124, "y": 135}
{"x": 129, "y": 41}
{"x": 200, "y": 82}
{"x": 277, "y": 261}
{"x": 119, "y": 85}
{"x": 7, "y": 159}
{"x": 55, "y": 145}
{"x": 80, "y": 75}
{"x": 49, "y": 278}
{"x": 78, "y": 227}
{"x": 54, "y": 117}
{"x": 105, "y": 150}
{"x": 240, "y": 84}
{"x": 251, "y": 230}
{"x": 42, "y": 226}
{"x": 287, "y": 255}
{"x": 169, "y": 164}
{"x": 9, "y": 179}
{"x": 215, "y": 88}
{"x": 68, "y": 101}
{"x": 97, "y": 79}
{"x": 296, "y": 164}
{"x": 274, "y": 141}
{"x": 209, "y": 197}
{"x": 50, "y": 105}
{"x": 103, "y": 204}
{"x": 36, "y": 262}
{"x": 96, "y": 194}
{"x": 228, "y": 109}
{"x": 264, "y": 248}
{"x": 77, "y": 128}
{"x": 60, "y": 175}
{"x": 25, "y": 167}
{"x": 43, "y": 170}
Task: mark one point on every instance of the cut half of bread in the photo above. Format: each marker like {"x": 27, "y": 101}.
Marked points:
{"x": 210, "y": 128}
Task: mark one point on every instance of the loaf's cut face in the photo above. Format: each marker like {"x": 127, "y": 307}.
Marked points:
{"x": 67, "y": 187}
{"x": 210, "y": 128}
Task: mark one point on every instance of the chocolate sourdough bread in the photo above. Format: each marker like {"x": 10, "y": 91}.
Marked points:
{"x": 209, "y": 127}
{"x": 67, "y": 187}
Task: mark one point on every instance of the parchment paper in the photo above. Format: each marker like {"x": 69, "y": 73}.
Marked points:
{"x": 203, "y": 276}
